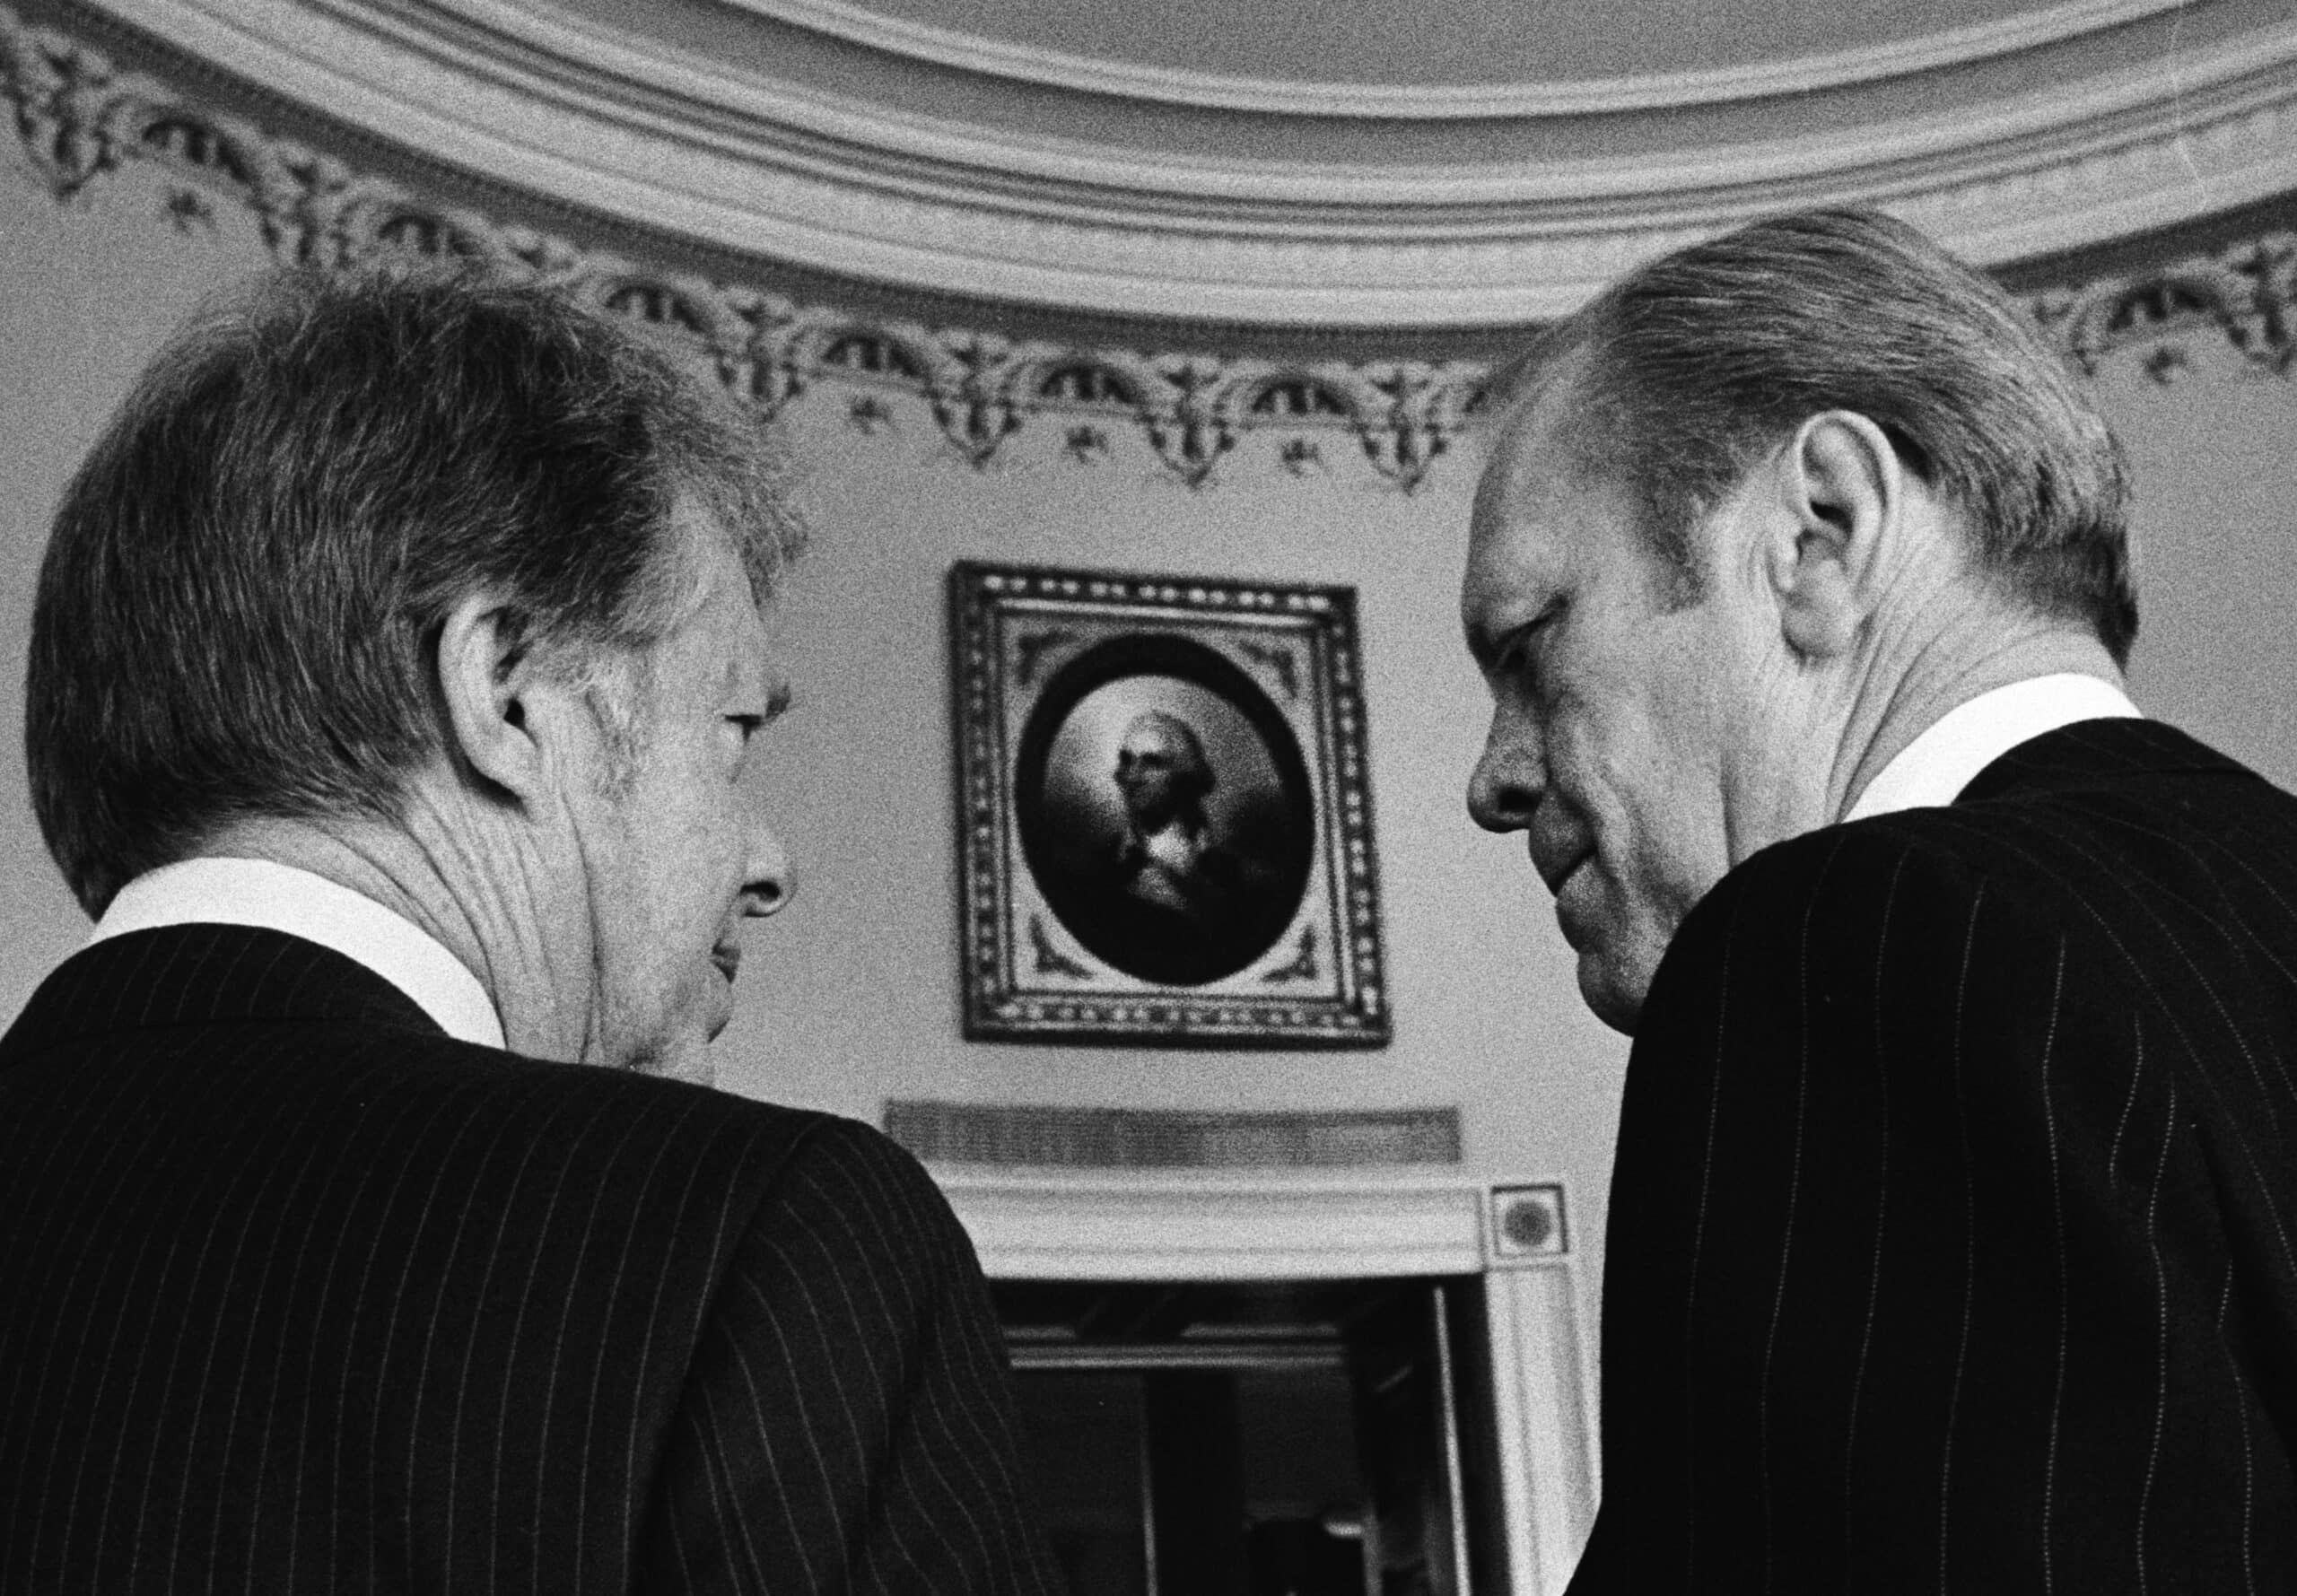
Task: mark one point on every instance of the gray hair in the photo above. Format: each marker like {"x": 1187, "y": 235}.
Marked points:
{"x": 240, "y": 604}
{"x": 1702, "y": 360}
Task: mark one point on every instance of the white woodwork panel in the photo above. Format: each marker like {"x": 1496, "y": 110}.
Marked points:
{"x": 1191, "y": 1226}
{"x": 1188, "y": 1226}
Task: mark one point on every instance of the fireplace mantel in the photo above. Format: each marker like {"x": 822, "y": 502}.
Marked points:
{"x": 1195, "y": 1226}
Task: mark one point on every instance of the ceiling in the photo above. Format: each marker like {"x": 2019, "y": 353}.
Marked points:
{"x": 1204, "y": 47}
{"x": 1348, "y": 164}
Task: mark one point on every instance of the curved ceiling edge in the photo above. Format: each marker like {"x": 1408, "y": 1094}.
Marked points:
{"x": 994, "y": 57}
{"x": 1491, "y": 247}
{"x": 78, "y": 119}
{"x": 601, "y": 83}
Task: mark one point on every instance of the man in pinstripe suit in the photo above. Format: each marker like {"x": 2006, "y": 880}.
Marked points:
{"x": 1953, "y": 1231}
{"x": 397, "y": 692}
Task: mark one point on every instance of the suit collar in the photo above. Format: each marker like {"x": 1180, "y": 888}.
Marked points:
{"x": 2090, "y": 752}
{"x": 206, "y": 975}
{"x": 260, "y": 891}
{"x": 1940, "y": 762}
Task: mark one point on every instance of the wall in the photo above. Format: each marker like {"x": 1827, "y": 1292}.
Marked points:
{"x": 850, "y": 996}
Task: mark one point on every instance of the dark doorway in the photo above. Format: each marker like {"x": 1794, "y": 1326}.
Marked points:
{"x": 1262, "y": 1439}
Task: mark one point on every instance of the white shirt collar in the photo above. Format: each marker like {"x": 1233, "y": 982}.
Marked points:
{"x": 1935, "y": 767}
{"x": 254, "y": 892}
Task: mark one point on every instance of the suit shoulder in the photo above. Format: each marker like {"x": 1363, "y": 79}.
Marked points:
{"x": 683, "y": 1119}
{"x": 2176, "y": 913}
{"x": 1828, "y": 912}
{"x": 2062, "y": 859}
{"x": 1862, "y": 866}
{"x": 850, "y": 1205}
{"x": 586, "y": 1115}
{"x": 844, "y": 1164}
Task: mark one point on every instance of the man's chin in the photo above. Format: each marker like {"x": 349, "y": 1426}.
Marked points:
{"x": 1617, "y": 1003}
{"x": 687, "y": 1058}
{"x": 696, "y": 1066}
{"x": 677, "y": 1046}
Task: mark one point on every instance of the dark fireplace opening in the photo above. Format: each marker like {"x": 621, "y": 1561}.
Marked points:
{"x": 1296, "y": 1438}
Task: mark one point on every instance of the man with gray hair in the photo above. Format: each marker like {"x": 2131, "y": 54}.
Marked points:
{"x": 1952, "y": 1242}
{"x": 399, "y": 677}
{"x": 1164, "y": 776}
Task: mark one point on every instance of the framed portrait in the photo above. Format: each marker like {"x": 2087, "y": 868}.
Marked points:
{"x": 1165, "y": 828}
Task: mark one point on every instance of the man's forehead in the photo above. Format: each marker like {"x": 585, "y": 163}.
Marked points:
{"x": 728, "y": 615}
{"x": 1537, "y": 452}
{"x": 1536, "y": 500}
{"x": 1530, "y": 473}
{"x": 757, "y": 671}
{"x": 729, "y": 656}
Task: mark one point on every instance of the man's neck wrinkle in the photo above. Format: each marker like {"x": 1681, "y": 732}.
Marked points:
{"x": 1956, "y": 664}
{"x": 371, "y": 866}
{"x": 493, "y": 904}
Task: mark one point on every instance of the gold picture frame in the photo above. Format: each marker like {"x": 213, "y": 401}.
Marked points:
{"x": 1163, "y": 815}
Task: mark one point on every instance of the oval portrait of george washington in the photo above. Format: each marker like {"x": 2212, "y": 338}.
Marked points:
{"x": 1164, "y": 808}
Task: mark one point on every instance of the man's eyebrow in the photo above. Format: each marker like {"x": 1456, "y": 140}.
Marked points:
{"x": 1483, "y": 647}
{"x": 1487, "y": 645}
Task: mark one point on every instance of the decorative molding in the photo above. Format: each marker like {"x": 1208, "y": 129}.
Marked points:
{"x": 1528, "y": 1223}
{"x": 997, "y": 1134}
{"x": 1194, "y": 1224}
{"x": 1543, "y": 1406}
{"x": 861, "y": 167}
{"x": 995, "y": 58}
{"x": 78, "y": 119}
{"x": 2245, "y": 293}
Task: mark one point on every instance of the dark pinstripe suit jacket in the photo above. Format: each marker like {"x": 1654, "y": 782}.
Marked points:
{"x": 1953, "y": 1231}
{"x": 298, "y": 1294}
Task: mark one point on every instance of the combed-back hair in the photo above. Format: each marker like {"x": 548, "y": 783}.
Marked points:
{"x": 239, "y": 609}
{"x": 1701, "y": 362}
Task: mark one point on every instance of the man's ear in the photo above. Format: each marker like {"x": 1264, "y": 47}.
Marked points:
{"x": 1842, "y": 487}
{"x": 486, "y": 684}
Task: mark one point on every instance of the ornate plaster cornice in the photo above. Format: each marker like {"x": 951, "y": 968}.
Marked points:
{"x": 858, "y": 157}
{"x": 78, "y": 118}
{"x": 1999, "y": 37}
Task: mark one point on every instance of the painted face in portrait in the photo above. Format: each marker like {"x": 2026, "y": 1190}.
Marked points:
{"x": 1160, "y": 768}
{"x": 675, "y": 850}
{"x": 1613, "y": 711}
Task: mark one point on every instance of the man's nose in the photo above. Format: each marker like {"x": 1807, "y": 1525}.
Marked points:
{"x": 1504, "y": 789}
{"x": 770, "y": 883}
